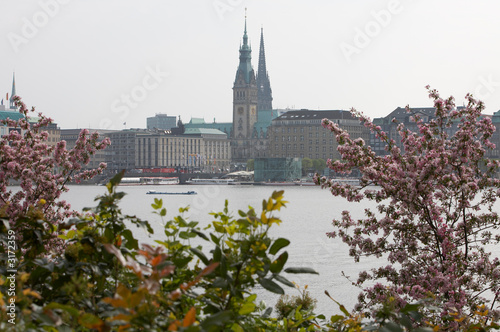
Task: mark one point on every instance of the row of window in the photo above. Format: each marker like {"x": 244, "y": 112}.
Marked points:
{"x": 302, "y": 155}
{"x": 285, "y": 147}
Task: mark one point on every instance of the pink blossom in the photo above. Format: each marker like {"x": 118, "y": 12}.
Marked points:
{"x": 435, "y": 198}
{"x": 41, "y": 170}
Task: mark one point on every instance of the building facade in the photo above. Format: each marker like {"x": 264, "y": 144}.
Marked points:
{"x": 299, "y": 134}
{"x": 161, "y": 121}
{"x": 206, "y": 150}
{"x": 121, "y": 153}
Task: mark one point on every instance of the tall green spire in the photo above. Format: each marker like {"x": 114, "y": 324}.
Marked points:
{"x": 264, "y": 94}
{"x": 245, "y": 67}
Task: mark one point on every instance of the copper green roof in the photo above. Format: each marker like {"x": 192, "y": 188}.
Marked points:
{"x": 197, "y": 121}
{"x": 211, "y": 131}
{"x": 10, "y": 115}
{"x": 245, "y": 69}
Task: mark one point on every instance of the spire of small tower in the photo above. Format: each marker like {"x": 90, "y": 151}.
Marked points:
{"x": 264, "y": 94}
{"x": 12, "y": 102}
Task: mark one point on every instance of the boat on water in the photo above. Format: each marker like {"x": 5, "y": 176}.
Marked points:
{"x": 154, "y": 192}
{"x": 156, "y": 181}
{"x": 349, "y": 181}
{"x": 212, "y": 181}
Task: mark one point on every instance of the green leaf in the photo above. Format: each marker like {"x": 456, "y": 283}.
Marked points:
{"x": 214, "y": 238}
{"x": 271, "y": 286}
{"x": 200, "y": 234}
{"x": 200, "y": 255}
{"x": 278, "y": 264}
{"x": 283, "y": 280}
{"x": 181, "y": 262}
{"x": 406, "y": 322}
{"x": 267, "y": 312}
{"x": 218, "y": 319}
{"x": 391, "y": 327}
{"x": 277, "y": 194}
{"x": 277, "y": 245}
{"x": 132, "y": 243}
{"x": 247, "y": 308}
{"x": 217, "y": 254}
{"x": 88, "y": 320}
{"x": 237, "y": 328}
{"x": 157, "y": 204}
{"x": 344, "y": 310}
{"x": 223, "y": 266}
{"x": 69, "y": 309}
{"x": 184, "y": 235}
{"x": 300, "y": 270}
{"x": 115, "y": 180}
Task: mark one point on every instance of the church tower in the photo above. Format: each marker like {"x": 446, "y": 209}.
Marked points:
{"x": 244, "y": 93}
{"x": 264, "y": 94}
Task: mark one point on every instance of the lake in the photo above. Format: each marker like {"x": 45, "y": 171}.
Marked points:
{"x": 306, "y": 219}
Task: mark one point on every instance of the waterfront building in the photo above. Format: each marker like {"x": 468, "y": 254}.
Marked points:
{"x": 206, "y": 150}
{"x": 8, "y": 114}
{"x": 495, "y": 153}
{"x": 277, "y": 169}
{"x": 299, "y": 134}
{"x": 12, "y": 112}
{"x": 215, "y": 154}
{"x": 121, "y": 153}
{"x": 389, "y": 125}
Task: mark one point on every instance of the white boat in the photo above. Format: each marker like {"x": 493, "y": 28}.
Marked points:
{"x": 212, "y": 181}
{"x": 140, "y": 181}
{"x": 350, "y": 181}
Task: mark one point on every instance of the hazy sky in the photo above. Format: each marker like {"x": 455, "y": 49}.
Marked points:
{"x": 101, "y": 63}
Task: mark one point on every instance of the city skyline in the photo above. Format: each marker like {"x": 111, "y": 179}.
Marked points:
{"x": 102, "y": 64}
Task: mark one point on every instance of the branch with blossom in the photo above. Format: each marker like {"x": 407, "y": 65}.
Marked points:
{"x": 435, "y": 193}
{"x": 41, "y": 170}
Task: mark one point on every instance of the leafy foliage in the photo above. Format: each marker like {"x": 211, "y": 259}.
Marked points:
{"x": 104, "y": 280}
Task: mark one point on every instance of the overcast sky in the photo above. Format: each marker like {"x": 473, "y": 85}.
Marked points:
{"x": 103, "y": 63}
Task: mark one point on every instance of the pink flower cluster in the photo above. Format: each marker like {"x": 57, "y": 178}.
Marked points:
{"x": 435, "y": 192}
{"x": 40, "y": 169}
